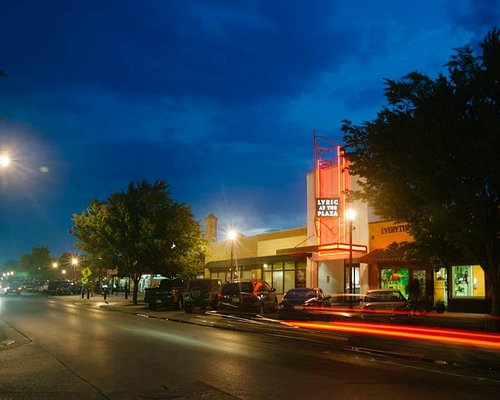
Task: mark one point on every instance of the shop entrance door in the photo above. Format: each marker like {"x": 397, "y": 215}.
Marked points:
{"x": 355, "y": 279}
{"x": 440, "y": 285}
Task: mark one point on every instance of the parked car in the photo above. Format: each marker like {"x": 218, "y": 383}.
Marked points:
{"x": 201, "y": 293}
{"x": 168, "y": 294}
{"x": 13, "y": 287}
{"x": 302, "y": 303}
{"x": 384, "y": 304}
{"x": 339, "y": 301}
{"x": 64, "y": 287}
{"x": 42, "y": 287}
{"x": 247, "y": 296}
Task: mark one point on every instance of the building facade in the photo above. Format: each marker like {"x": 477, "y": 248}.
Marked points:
{"x": 341, "y": 253}
{"x": 459, "y": 287}
{"x": 254, "y": 257}
{"x": 322, "y": 254}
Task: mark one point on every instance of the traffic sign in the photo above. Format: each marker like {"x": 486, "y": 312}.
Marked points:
{"x": 86, "y": 272}
{"x": 85, "y": 280}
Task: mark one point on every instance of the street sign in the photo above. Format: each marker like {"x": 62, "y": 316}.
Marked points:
{"x": 86, "y": 272}
{"x": 85, "y": 280}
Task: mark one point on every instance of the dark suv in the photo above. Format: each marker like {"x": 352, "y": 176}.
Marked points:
{"x": 247, "y": 296}
{"x": 201, "y": 293}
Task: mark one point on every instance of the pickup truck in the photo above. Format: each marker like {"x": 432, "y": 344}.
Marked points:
{"x": 167, "y": 294}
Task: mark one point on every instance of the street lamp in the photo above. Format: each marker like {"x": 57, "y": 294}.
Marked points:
{"x": 4, "y": 160}
{"x": 231, "y": 235}
{"x": 74, "y": 262}
{"x": 350, "y": 215}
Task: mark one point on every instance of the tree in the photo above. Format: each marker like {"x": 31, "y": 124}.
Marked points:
{"x": 430, "y": 158}
{"x": 36, "y": 263}
{"x": 141, "y": 230}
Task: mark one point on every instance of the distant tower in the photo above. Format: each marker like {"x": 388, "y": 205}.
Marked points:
{"x": 211, "y": 228}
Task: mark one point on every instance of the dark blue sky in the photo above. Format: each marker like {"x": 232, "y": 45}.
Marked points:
{"x": 218, "y": 98}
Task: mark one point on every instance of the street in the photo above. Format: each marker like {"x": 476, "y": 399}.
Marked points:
{"x": 55, "y": 349}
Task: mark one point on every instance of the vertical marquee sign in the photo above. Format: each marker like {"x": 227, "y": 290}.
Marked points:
{"x": 331, "y": 183}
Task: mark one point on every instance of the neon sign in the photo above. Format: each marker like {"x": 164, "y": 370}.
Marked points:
{"x": 327, "y": 207}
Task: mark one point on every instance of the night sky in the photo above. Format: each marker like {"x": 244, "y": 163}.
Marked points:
{"x": 217, "y": 98}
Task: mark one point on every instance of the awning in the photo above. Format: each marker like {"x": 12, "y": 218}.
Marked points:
{"x": 333, "y": 247}
{"x": 382, "y": 255}
{"x": 253, "y": 261}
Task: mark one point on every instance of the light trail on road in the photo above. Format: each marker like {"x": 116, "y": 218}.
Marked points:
{"x": 459, "y": 337}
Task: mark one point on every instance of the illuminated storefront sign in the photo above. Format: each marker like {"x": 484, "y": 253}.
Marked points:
{"x": 327, "y": 207}
{"x": 394, "y": 229}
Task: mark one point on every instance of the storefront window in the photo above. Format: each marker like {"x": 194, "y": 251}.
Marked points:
{"x": 289, "y": 265}
{"x": 395, "y": 279}
{"x": 284, "y": 276}
{"x": 440, "y": 285}
{"x": 300, "y": 278}
{"x": 278, "y": 266}
{"x": 289, "y": 281}
{"x": 416, "y": 288}
{"x": 278, "y": 281}
{"x": 268, "y": 277}
{"x": 468, "y": 281}
{"x": 246, "y": 274}
{"x": 300, "y": 275}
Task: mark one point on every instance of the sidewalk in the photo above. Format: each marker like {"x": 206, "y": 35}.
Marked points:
{"x": 117, "y": 302}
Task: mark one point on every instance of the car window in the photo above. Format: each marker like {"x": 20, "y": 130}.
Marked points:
{"x": 265, "y": 287}
{"x": 199, "y": 284}
{"x": 230, "y": 289}
{"x": 246, "y": 287}
{"x": 170, "y": 283}
{"x": 233, "y": 288}
{"x": 300, "y": 294}
{"x": 384, "y": 296}
{"x": 215, "y": 284}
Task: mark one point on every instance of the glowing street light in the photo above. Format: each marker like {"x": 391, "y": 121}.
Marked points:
{"x": 350, "y": 215}
{"x": 74, "y": 263}
{"x": 54, "y": 265}
{"x": 4, "y": 160}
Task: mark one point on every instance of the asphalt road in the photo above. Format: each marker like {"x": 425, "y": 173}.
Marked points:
{"x": 52, "y": 349}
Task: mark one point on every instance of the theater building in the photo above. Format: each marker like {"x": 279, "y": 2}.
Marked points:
{"x": 323, "y": 254}
{"x": 338, "y": 253}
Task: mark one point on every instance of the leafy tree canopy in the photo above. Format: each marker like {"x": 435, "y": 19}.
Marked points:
{"x": 36, "y": 263}
{"x": 141, "y": 230}
{"x": 431, "y": 158}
